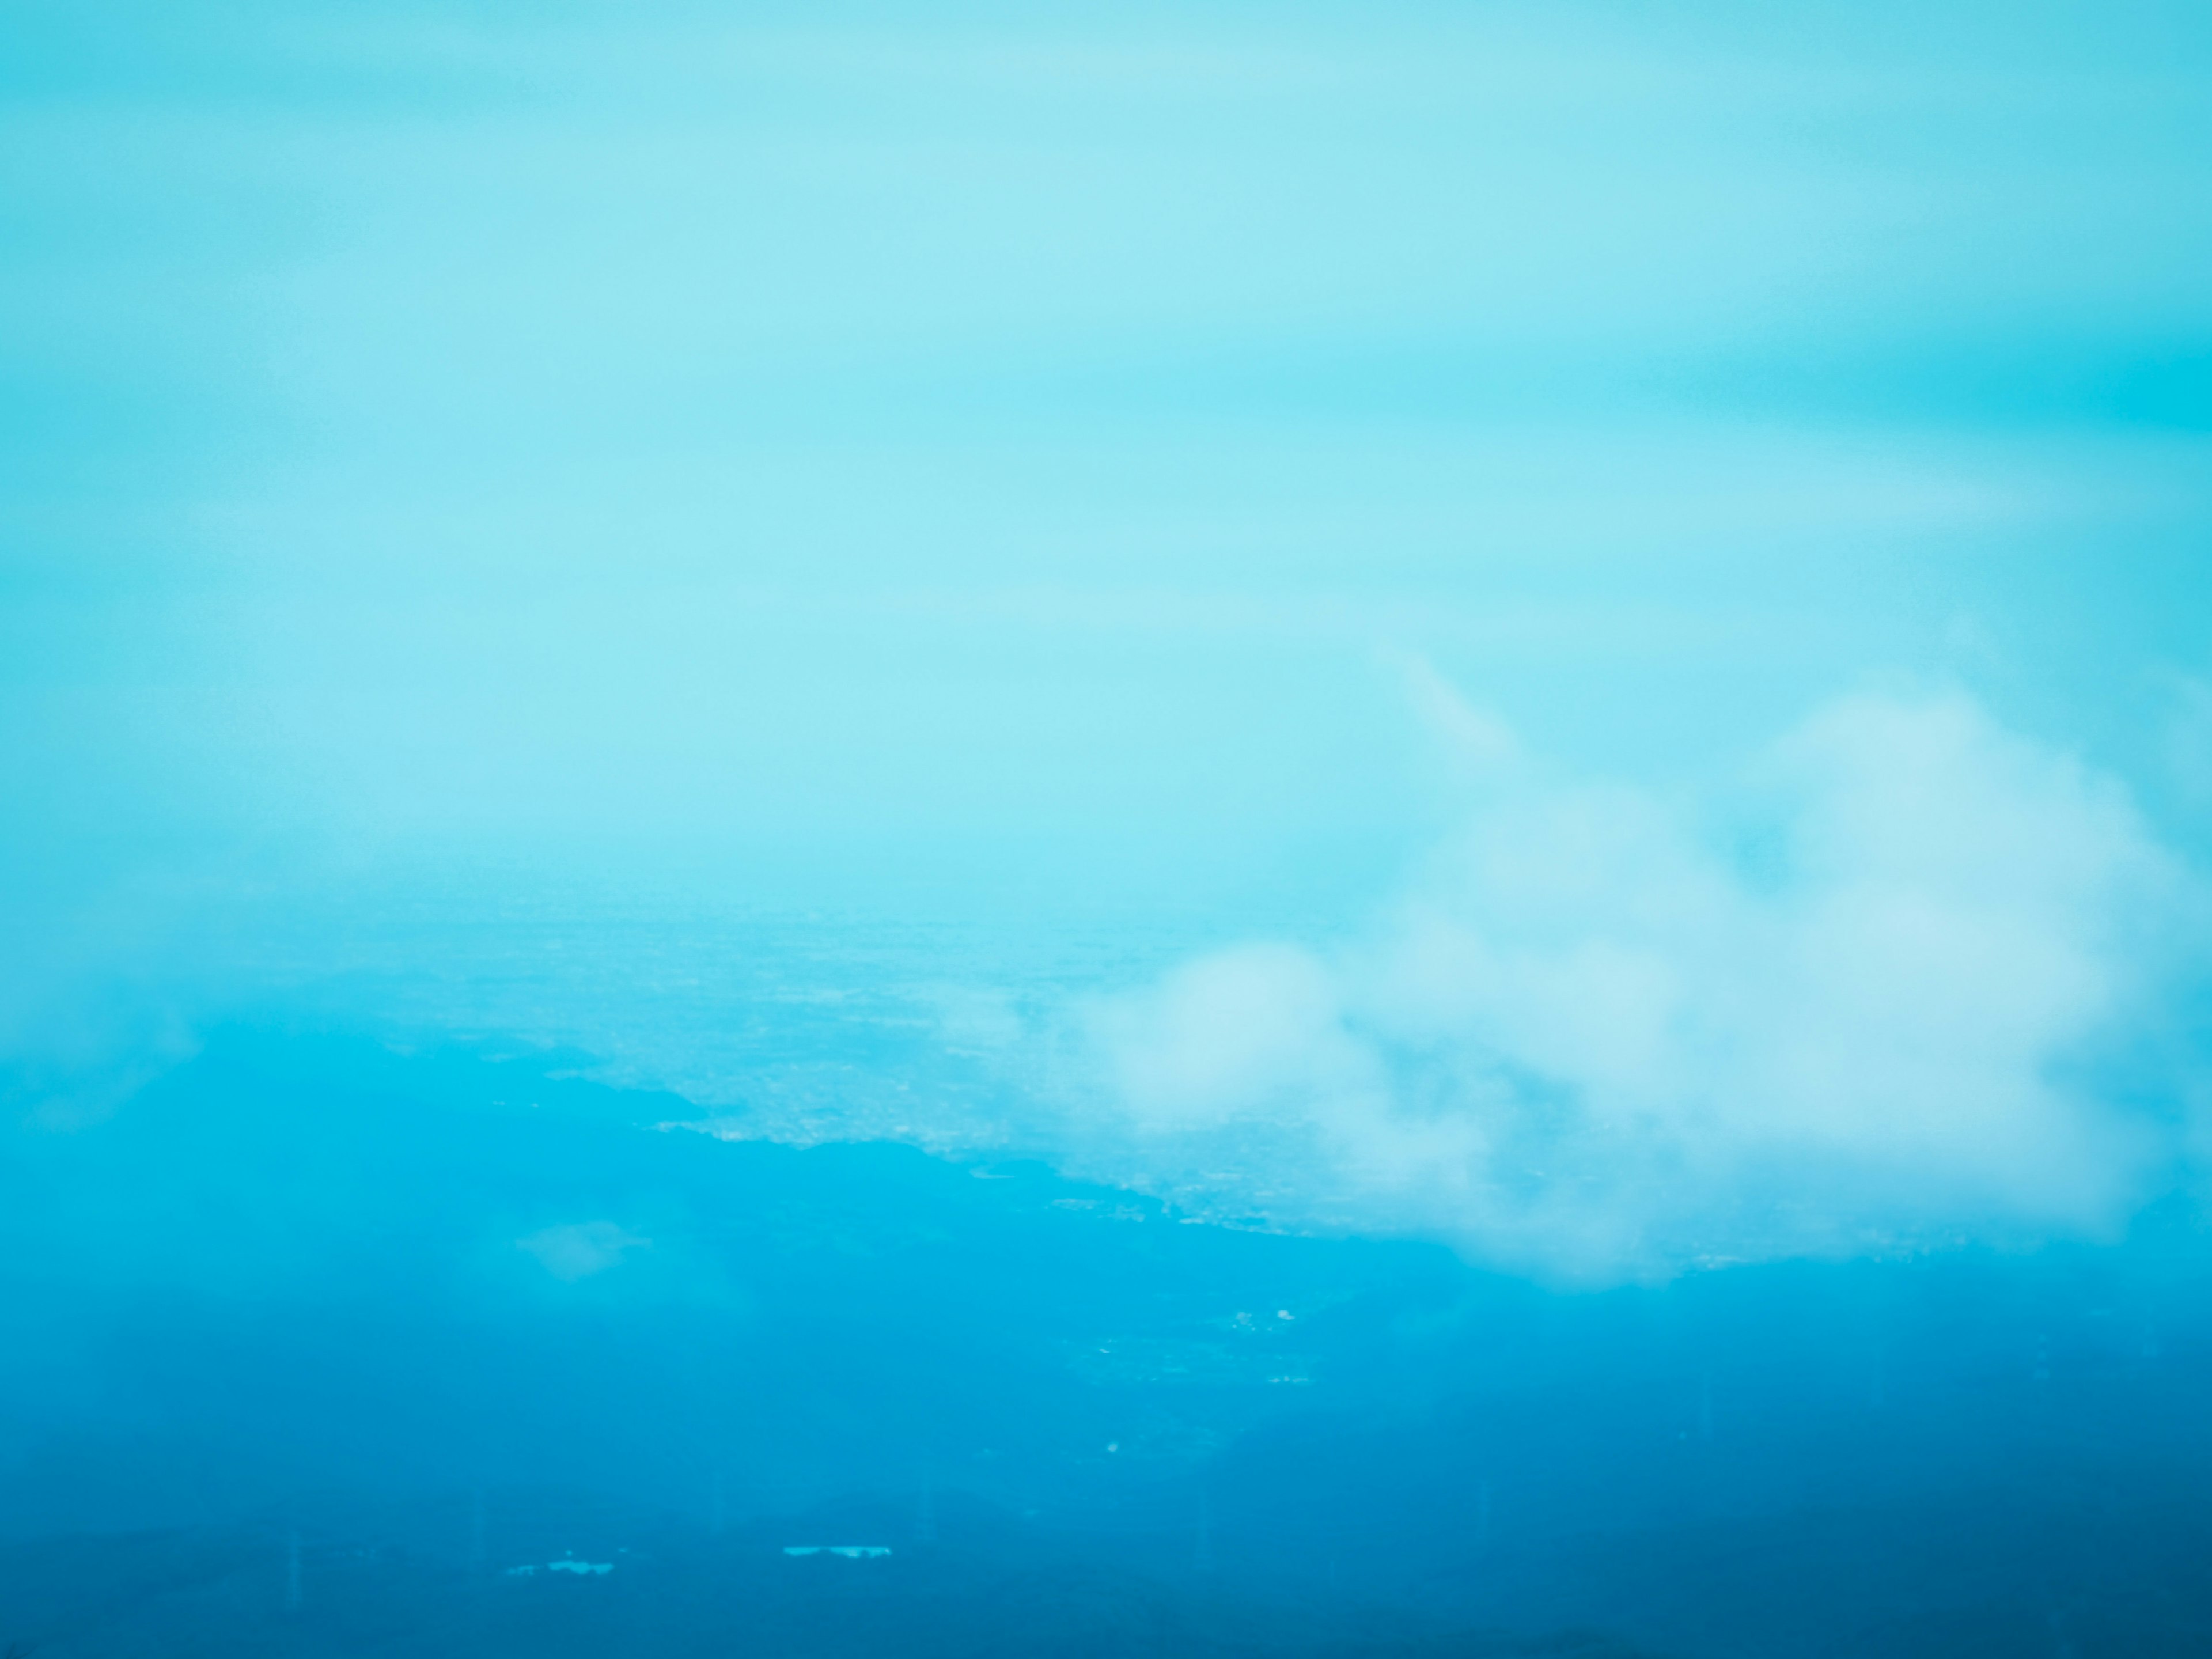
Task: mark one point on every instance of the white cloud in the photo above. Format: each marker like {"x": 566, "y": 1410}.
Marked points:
{"x": 1863, "y": 1000}
{"x": 582, "y": 1249}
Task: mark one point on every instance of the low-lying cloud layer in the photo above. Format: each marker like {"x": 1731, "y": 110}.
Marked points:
{"x": 1908, "y": 980}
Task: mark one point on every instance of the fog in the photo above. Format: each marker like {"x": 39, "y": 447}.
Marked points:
{"x": 1286, "y": 830}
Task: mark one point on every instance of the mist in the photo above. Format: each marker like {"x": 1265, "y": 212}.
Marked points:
{"x": 1128, "y": 830}
{"x": 1913, "y": 978}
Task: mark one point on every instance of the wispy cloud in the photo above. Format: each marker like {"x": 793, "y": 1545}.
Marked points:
{"x": 582, "y": 1249}
{"x": 1875, "y": 993}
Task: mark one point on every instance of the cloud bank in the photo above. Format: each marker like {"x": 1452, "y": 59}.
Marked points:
{"x": 1908, "y": 980}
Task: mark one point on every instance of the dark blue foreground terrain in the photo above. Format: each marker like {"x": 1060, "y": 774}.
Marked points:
{"x": 311, "y": 1348}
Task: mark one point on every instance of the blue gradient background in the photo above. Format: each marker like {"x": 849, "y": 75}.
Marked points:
{"x": 850, "y": 437}
{"x": 604, "y": 470}
{"x": 1572, "y": 640}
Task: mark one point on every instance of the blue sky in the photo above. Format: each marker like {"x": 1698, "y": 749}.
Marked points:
{"x": 1001, "y": 458}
